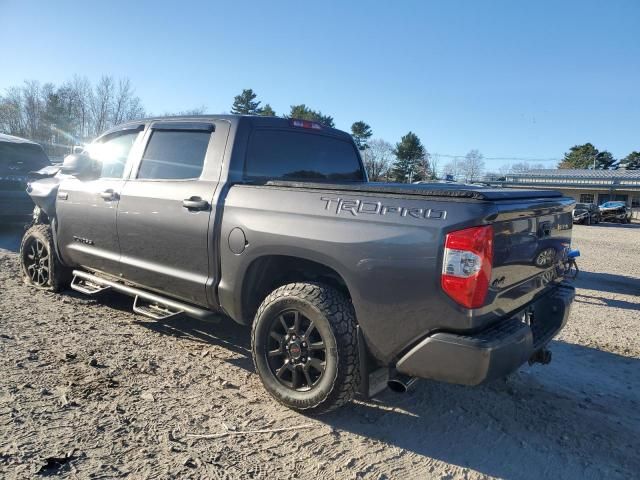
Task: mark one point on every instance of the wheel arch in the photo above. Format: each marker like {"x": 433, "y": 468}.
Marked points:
{"x": 268, "y": 272}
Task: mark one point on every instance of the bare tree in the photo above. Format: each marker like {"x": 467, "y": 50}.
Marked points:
{"x": 472, "y": 166}
{"x": 11, "y": 112}
{"x": 435, "y": 163}
{"x": 102, "y": 104}
{"x": 81, "y": 100}
{"x": 378, "y": 159}
{"x": 122, "y": 100}
{"x": 32, "y": 107}
{"x": 454, "y": 168}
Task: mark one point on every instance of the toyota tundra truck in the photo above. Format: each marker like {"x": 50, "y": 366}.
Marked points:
{"x": 347, "y": 285}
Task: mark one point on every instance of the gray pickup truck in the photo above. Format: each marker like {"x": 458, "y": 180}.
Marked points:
{"x": 348, "y": 286}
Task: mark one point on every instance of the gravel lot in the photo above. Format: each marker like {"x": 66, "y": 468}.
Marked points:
{"x": 89, "y": 390}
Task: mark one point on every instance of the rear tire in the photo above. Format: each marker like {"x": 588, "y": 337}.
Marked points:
{"x": 40, "y": 264}
{"x": 304, "y": 347}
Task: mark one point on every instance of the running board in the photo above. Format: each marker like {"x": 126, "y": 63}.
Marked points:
{"x": 87, "y": 286}
{"x": 154, "y": 310}
{"x": 146, "y": 303}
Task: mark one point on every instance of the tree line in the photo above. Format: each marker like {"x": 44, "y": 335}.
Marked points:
{"x": 71, "y": 113}
{"x": 406, "y": 161}
{"x": 588, "y": 156}
{"x": 77, "y": 110}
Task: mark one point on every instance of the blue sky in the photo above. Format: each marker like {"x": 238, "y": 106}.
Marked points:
{"x": 512, "y": 79}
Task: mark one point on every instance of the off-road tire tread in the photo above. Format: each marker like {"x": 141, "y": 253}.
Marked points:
{"x": 338, "y": 310}
{"x": 59, "y": 275}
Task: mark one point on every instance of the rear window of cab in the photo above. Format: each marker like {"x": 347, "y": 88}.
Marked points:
{"x": 297, "y": 155}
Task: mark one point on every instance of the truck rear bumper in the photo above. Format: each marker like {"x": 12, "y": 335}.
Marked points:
{"x": 491, "y": 353}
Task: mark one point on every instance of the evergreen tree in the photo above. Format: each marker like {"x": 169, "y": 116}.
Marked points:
{"x": 631, "y": 161}
{"x": 267, "y": 111}
{"x": 410, "y": 155}
{"x": 587, "y": 156}
{"x": 246, "y": 103}
{"x": 302, "y": 112}
{"x": 605, "y": 161}
{"x": 361, "y": 133}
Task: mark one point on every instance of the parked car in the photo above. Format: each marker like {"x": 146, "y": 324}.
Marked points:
{"x": 18, "y": 158}
{"x": 347, "y": 285}
{"x": 615, "y": 211}
{"x": 586, "y": 213}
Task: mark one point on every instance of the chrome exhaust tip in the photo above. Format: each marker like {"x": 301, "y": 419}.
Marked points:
{"x": 401, "y": 383}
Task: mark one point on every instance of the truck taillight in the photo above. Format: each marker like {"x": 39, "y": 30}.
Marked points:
{"x": 466, "y": 267}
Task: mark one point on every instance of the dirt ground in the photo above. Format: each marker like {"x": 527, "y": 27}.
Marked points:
{"x": 90, "y": 390}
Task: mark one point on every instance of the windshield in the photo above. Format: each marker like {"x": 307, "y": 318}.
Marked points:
{"x": 582, "y": 205}
{"x": 612, "y": 204}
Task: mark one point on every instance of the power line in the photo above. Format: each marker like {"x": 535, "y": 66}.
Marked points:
{"x": 512, "y": 159}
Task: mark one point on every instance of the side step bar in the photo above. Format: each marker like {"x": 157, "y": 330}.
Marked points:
{"x": 87, "y": 286}
{"x": 146, "y": 303}
{"x": 153, "y": 310}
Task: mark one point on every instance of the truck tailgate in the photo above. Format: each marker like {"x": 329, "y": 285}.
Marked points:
{"x": 531, "y": 240}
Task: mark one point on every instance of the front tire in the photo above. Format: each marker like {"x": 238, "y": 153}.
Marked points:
{"x": 304, "y": 347}
{"x": 39, "y": 261}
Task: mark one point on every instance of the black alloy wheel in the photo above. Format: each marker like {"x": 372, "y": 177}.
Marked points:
{"x": 305, "y": 348}
{"x": 296, "y": 352}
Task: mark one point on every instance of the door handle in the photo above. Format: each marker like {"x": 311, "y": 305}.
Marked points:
{"x": 195, "y": 203}
{"x": 109, "y": 194}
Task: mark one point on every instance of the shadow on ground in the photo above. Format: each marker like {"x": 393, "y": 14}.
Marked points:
{"x": 614, "y": 225}
{"x": 466, "y": 426}
{"x": 608, "y": 282}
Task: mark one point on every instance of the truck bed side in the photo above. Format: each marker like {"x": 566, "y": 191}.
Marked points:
{"x": 387, "y": 249}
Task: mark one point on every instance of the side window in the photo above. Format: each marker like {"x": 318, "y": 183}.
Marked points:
{"x": 111, "y": 154}
{"x": 174, "y": 155}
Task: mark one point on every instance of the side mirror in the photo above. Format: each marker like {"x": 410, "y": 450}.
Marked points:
{"x": 78, "y": 165}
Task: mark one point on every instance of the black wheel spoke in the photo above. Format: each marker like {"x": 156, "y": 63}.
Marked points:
{"x": 283, "y": 369}
{"x": 316, "y": 364}
{"x": 296, "y": 322}
{"x": 276, "y": 336}
{"x": 283, "y": 323}
{"x": 295, "y": 378}
{"x": 307, "y": 377}
{"x": 276, "y": 353}
{"x": 317, "y": 346}
{"x": 295, "y": 350}
{"x": 310, "y": 330}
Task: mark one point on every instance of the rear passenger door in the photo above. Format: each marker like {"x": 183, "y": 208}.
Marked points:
{"x": 166, "y": 209}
